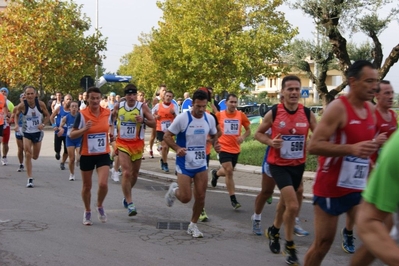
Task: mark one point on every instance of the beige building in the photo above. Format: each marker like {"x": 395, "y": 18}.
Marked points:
{"x": 3, "y": 5}
{"x": 272, "y": 85}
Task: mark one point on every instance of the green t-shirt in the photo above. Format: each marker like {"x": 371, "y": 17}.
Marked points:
{"x": 383, "y": 187}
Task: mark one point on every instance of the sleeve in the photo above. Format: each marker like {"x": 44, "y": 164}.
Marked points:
{"x": 176, "y": 108}
{"x": 177, "y": 125}
{"x": 155, "y": 109}
{"x": 244, "y": 120}
{"x": 79, "y": 122}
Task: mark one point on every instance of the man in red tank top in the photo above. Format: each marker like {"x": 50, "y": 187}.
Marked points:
{"x": 344, "y": 140}
{"x": 287, "y": 157}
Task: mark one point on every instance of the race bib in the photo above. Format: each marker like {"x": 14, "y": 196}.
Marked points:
{"x": 354, "y": 172}
{"x": 32, "y": 122}
{"x": 127, "y": 130}
{"x": 97, "y": 143}
{"x": 293, "y": 147}
{"x": 165, "y": 125}
{"x": 231, "y": 127}
{"x": 195, "y": 157}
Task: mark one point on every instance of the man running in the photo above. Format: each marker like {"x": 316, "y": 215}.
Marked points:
{"x": 35, "y": 116}
{"x": 230, "y": 121}
{"x": 19, "y": 135}
{"x": 164, "y": 114}
{"x": 192, "y": 129}
{"x": 92, "y": 124}
{"x": 6, "y": 127}
{"x": 73, "y": 145}
{"x": 55, "y": 119}
{"x": 131, "y": 116}
{"x": 3, "y": 112}
{"x": 159, "y": 97}
{"x": 343, "y": 159}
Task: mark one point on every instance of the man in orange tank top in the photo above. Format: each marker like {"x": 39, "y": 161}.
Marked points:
{"x": 230, "y": 121}
{"x": 158, "y": 98}
{"x": 164, "y": 113}
{"x": 344, "y": 140}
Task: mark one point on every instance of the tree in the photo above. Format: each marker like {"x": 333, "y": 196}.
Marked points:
{"x": 333, "y": 17}
{"x": 44, "y": 43}
{"x": 219, "y": 43}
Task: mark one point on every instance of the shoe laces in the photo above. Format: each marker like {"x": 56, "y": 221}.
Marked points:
{"x": 101, "y": 211}
{"x": 349, "y": 239}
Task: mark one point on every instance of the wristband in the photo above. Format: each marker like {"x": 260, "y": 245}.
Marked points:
{"x": 54, "y": 125}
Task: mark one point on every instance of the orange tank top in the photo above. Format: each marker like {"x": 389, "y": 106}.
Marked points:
{"x": 166, "y": 116}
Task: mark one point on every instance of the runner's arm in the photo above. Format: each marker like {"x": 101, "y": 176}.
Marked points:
{"x": 148, "y": 117}
{"x": 46, "y": 114}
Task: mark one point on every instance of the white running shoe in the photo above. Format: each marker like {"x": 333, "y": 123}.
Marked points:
{"x": 170, "y": 195}
{"x": 87, "y": 218}
{"x": 71, "y": 177}
{"x": 4, "y": 161}
{"x": 194, "y": 231}
{"x": 77, "y": 163}
{"x": 114, "y": 175}
{"x": 102, "y": 216}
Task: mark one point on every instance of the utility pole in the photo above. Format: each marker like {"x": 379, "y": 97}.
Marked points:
{"x": 96, "y": 67}
{"x": 316, "y": 69}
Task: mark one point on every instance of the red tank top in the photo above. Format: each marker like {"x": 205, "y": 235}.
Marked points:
{"x": 294, "y": 130}
{"x": 384, "y": 126}
{"x": 339, "y": 176}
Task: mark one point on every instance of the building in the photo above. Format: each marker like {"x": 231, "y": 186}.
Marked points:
{"x": 3, "y": 5}
{"x": 272, "y": 85}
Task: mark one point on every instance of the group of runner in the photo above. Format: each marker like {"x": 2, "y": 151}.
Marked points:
{"x": 346, "y": 156}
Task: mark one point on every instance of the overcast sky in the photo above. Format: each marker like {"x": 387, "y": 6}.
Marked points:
{"x": 122, "y": 21}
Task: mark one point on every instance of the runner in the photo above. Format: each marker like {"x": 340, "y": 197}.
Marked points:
{"x": 290, "y": 123}
{"x": 55, "y": 119}
{"x": 92, "y": 124}
{"x": 112, "y": 101}
{"x": 73, "y": 145}
{"x": 164, "y": 114}
{"x": 35, "y": 116}
{"x": 57, "y": 102}
{"x": 19, "y": 135}
{"x": 343, "y": 159}
{"x": 230, "y": 120}
{"x": 83, "y": 102}
{"x": 6, "y": 126}
{"x": 192, "y": 129}
{"x": 3, "y": 112}
{"x": 159, "y": 97}
{"x": 131, "y": 116}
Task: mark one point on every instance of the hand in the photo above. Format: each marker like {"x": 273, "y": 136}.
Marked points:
{"x": 40, "y": 127}
{"x": 240, "y": 139}
{"x": 88, "y": 125}
{"x": 364, "y": 149}
{"x": 55, "y": 128}
{"x": 277, "y": 142}
{"x": 181, "y": 152}
{"x": 60, "y": 132}
{"x": 217, "y": 146}
{"x": 16, "y": 128}
{"x": 381, "y": 138}
{"x": 139, "y": 119}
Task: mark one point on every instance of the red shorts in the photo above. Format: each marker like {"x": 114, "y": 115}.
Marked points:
{"x": 6, "y": 134}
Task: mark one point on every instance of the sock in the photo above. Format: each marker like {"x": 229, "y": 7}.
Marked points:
{"x": 274, "y": 230}
{"x": 289, "y": 243}
{"x": 191, "y": 223}
{"x": 174, "y": 190}
{"x": 348, "y": 232}
{"x": 257, "y": 217}
{"x": 233, "y": 198}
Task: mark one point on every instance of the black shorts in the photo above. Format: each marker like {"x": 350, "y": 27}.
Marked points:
{"x": 1, "y": 130}
{"x": 225, "y": 157}
{"x": 160, "y": 135}
{"x": 89, "y": 162}
{"x": 34, "y": 137}
{"x": 287, "y": 175}
{"x": 339, "y": 205}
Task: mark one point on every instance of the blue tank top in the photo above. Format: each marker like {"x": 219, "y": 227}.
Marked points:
{"x": 58, "y": 118}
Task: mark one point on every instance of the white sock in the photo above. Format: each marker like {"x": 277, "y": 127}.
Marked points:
{"x": 257, "y": 216}
{"x": 192, "y": 224}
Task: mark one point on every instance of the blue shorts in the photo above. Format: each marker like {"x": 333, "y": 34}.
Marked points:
{"x": 34, "y": 137}
{"x": 340, "y": 205}
{"x": 265, "y": 165}
{"x": 189, "y": 172}
{"x": 73, "y": 142}
{"x": 18, "y": 135}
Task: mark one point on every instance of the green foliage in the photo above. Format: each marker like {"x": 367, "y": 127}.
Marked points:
{"x": 45, "y": 43}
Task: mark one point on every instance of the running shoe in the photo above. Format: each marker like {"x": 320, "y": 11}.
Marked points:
{"x": 161, "y": 163}
{"x": 166, "y": 167}
{"x": 151, "y": 154}
{"x": 4, "y": 161}
{"x": 348, "y": 244}
{"x": 203, "y": 217}
{"x": 87, "y": 218}
{"x": 235, "y": 205}
{"x": 298, "y": 230}
{"x": 292, "y": 258}
{"x": 214, "y": 180}
{"x": 114, "y": 175}
{"x": 20, "y": 168}
{"x": 194, "y": 231}
{"x": 124, "y": 202}
{"x": 102, "y": 216}
{"x": 274, "y": 241}
{"x": 62, "y": 166}
{"x": 57, "y": 156}
{"x": 256, "y": 228}
{"x": 30, "y": 182}
{"x": 131, "y": 209}
{"x": 71, "y": 177}
{"x": 170, "y": 195}
{"x": 270, "y": 200}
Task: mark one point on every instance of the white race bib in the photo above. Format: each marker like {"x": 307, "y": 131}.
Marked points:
{"x": 165, "y": 125}
{"x": 32, "y": 122}
{"x": 97, "y": 143}
{"x": 293, "y": 146}
{"x": 127, "y": 130}
{"x": 195, "y": 156}
{"x": 231, "y": 126}
{"x": 354, "y": 172}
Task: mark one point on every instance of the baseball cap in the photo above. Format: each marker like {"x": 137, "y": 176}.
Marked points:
{"x": 4, "y": 89}
{"x": 130, "y": 89}
{"x": 112, "y": 94}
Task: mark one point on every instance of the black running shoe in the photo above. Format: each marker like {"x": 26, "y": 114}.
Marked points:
{"x": 214, "y": 181}
{"x": 292, "y": 258}
{"x": 235, "y": 205}
{"x": 274, "y": 241}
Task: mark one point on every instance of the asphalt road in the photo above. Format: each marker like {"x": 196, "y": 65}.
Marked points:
{"x": 43, "y": 225}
